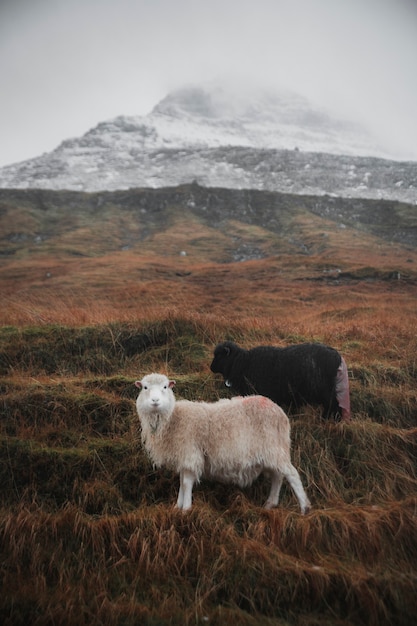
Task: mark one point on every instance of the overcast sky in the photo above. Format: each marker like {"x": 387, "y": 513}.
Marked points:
{"x": 66, "y": 65}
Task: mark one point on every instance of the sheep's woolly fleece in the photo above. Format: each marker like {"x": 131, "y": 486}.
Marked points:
{"x": 231, "y": 440}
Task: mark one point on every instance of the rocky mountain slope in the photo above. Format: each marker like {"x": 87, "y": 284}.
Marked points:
{"x": 275, "y": 143}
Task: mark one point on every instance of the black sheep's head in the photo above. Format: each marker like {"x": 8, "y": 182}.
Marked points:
{"x": 224, "y": 354}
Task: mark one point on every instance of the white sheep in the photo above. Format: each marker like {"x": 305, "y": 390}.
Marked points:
{"x": 232, "y": 441}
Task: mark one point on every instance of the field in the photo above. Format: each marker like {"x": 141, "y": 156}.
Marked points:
{"x": 94, "y": 298}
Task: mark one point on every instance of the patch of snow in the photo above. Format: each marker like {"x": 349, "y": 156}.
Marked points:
{"x": 277, "y": 143}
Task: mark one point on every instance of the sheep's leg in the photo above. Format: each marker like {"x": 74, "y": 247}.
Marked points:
{"x": 276, "y": 483}
{"x": 187, "y": 479}
{"x": 294, "y": 479}
{"x": 180, "y": 498}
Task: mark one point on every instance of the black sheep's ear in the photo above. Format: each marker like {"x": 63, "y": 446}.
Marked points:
{"x": 227, "y": 350}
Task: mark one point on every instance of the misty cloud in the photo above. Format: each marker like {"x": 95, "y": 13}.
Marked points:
{"x": 67, "y": 66}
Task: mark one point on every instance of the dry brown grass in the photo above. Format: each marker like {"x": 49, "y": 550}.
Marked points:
{"x": 88, "y": 532}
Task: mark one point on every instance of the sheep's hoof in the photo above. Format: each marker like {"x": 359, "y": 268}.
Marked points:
{"x": 183, "y": 509}
{"x": 306, "y": 510}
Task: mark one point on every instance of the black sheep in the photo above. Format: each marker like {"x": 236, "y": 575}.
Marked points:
{"x": 308, "y": 373}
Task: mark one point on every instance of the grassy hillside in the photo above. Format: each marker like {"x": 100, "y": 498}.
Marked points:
{"x": 123, "y": 256}
{"x": 96, "y": 297}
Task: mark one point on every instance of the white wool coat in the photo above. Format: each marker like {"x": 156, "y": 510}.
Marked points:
{"x": 232, "y": 440}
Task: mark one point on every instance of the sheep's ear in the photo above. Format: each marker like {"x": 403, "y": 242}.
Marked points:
{"x": 171, "y": 384}
{"x": 227, "y": 350}
{"x": 138, "y": 384}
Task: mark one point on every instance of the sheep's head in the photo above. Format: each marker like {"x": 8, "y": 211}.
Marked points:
{"x": 156, "y": 398}
{"x": 224, "y": 355}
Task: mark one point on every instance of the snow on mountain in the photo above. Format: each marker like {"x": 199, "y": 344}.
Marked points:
{"x": 276, "y": 142}
{"x": 194, "y": 116}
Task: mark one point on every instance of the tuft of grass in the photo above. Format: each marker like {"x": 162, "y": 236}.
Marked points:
{"x": 198, "y": 566}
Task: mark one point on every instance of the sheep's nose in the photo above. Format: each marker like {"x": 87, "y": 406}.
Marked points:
{"x": 155, "y": 401}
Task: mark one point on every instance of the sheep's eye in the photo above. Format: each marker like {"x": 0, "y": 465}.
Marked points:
{"x": 165, "y": 387}
{"x": 145, "y": 386}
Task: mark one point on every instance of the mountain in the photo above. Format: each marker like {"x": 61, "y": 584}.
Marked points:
{"x": 223, "y": 139}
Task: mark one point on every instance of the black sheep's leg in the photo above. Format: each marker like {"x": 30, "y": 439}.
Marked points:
{"x": 331, "y": 408}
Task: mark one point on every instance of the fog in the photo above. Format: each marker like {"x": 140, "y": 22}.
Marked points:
{"x": 66, "y": 66}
